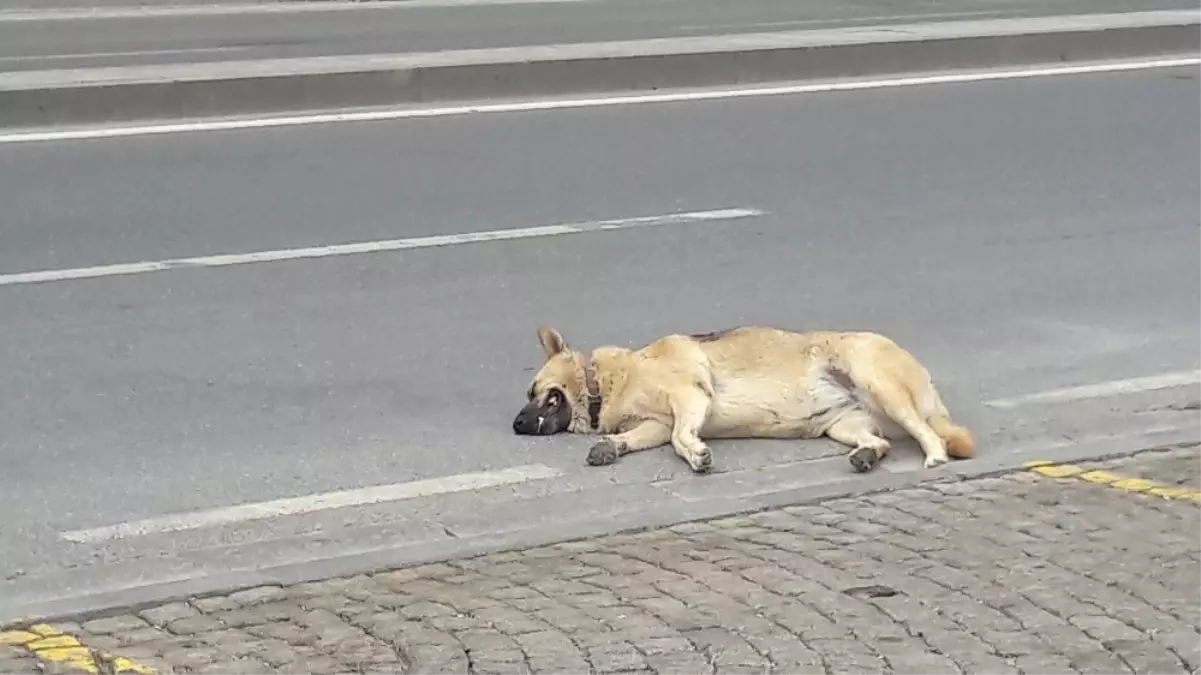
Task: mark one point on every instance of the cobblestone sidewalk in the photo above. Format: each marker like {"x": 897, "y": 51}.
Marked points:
{"x": 1020, "y": 573}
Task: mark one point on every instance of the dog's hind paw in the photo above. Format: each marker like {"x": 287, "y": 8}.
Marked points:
{"x": 604, "y": 452}
{"x": 935, "y": 460}
{"x": 701, "y": 460}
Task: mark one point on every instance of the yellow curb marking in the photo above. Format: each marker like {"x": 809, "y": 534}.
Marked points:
{"x": 54, "y": 642}
{"x": 17, "y": 638}
{"x": 49, "y": 644}
{"x": 1113, "y": 480}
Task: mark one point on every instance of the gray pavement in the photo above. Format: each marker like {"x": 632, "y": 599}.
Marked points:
{"x": 108, "y": 36}
{"x": 1018, "y": 236}
{"x": 1016, "y": 573}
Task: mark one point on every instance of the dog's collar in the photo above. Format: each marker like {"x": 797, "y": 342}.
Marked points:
{"x": 592, "y": 388}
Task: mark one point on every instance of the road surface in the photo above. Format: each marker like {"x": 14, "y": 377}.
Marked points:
{"x": 1019, "y": 236}
{"x": 48, "y": 39}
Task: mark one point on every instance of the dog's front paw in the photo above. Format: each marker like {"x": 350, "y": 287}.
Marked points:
{"x": 935, "y": 460}
{"x": 864, "y": 459}
{"x": 604, "y": 452}
{"x": 701, "y": 461}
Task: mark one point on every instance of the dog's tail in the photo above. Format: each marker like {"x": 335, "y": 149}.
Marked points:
{"x": 958, "y": 439}
{"x": 929, "y": 405}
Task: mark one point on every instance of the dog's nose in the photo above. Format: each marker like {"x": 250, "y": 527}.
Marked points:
{"x": 521, "y": 423}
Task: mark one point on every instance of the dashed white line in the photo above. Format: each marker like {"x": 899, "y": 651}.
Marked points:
{"x": 319, "y": 502}
{"x": 388, "y": 114}
{"x": 121, "y": 269}
{"x": 1102, "y": 389}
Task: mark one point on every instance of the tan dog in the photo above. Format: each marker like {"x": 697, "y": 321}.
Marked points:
{"x": 857, "y": 388}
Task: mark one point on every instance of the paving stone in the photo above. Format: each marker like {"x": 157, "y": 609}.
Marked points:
{"x": 165, "y": 614}
{"x": 258, "y": 596}
{"x": 261, "y": 614}
{"x": 192, "y": 657}
{"x": 1104, "y": 628}
{"x": 115, "y": 624}
{"x": 617, "y": 657}
{"x": 15, "y": 654}
{"x": 489, "y": 667}
{"x": 232, "y": 666}
{"x": 382, "y": 668}
{"x": 195, "y": 624}
{"x": 215, "y": 604}
{"x": 656, "y": 645}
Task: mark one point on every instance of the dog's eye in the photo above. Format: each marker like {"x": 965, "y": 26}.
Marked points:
{"x": 555, "y": 398}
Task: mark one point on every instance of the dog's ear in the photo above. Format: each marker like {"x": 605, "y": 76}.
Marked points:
{"x": 552, "y": 342}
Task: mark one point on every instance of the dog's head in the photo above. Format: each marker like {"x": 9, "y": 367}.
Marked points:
{"x": 557, "y": 399}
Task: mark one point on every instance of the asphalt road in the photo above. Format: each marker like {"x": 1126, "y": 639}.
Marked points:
{"x": 102, "y": 38}
{"x": 1018, "y": 236}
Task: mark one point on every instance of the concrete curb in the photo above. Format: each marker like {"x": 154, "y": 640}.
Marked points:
{"x": 759, "y": 491}
{"x": 175, "y": 91}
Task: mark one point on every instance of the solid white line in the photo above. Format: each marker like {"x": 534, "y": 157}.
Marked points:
{"x": 239, "y": 8}
{"x": 1102, "y": 389}
{"x": 561, "y": 104}
{"x": 143, "y": 52}
{"x": 319, "y": 502}
{"x": 372, "y": 246}
{"x": 856, "y": 22}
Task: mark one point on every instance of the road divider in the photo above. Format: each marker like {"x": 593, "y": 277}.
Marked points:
{"x": 413, "y": 113}
{"x": 201, "y": 90}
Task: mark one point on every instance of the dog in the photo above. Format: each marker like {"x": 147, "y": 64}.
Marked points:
{"x": 860, "y": 389}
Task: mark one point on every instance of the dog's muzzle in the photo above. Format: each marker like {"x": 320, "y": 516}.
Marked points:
{"x": 541, "y": 420}
{"x": 528, "y": 422}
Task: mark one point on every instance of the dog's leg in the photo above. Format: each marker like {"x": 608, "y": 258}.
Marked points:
{"x": 690, "y": 409}
{"x": 895, "y": 401}
{"x": 900, "y": 387}
{"x": 857, "y": 430}
{"x": 891, "y": 396}
{"x": 647, "y": 434}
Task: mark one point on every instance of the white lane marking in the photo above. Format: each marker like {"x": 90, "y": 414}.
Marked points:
{"x": 1102, "y": 389}
{"x": 561, "y": 104}
{"x": 844, "y": 21}
{"x": 319, "y": 502}
{"x": 143, "y": 52}
{"x": 373, "y": 246}
{"x": 218, "y": 9}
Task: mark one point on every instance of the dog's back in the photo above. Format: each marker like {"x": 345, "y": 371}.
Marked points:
{"x": 770, "y": 382}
